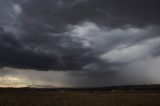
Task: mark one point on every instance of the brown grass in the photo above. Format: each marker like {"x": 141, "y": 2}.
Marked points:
{"x": 49, "y": 98}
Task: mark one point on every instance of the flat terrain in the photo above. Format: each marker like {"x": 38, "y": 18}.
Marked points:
{"x": 78, "y": 98}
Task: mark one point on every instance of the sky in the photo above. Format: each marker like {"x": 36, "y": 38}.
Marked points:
{"x": 79, "y": 43}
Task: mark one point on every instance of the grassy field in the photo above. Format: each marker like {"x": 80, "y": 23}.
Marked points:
{"x": 64, "y": 98}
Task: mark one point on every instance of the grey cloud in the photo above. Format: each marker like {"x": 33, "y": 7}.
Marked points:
{"x": 100, "y": 37}
{"x": 44, "y": 18}
{"x": 53, "y": 55}
{"x": 113, "y": 37}
{"x": 114, "y": 13}
{"x": 53, "y": 31}
{"x": 104, "y": 39}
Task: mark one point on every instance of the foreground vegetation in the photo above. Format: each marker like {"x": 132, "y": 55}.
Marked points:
{"x": 79, "y": 98}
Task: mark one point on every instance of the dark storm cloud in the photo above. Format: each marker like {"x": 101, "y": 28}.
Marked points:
{"x": 47, "y": 30}
{"x": 113, "y": 12}
{"x": 15, "y": 54}
{"x": 58, "y": 13}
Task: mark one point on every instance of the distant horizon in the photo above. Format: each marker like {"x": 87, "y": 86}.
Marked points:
{"x": 84, "y": 87}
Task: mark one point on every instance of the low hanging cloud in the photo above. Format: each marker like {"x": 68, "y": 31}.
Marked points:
{"x": 121, "y": 44}
{"x": 132, "y": 53}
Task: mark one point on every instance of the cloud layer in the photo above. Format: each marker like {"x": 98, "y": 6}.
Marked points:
{"x": 92, "y": 39}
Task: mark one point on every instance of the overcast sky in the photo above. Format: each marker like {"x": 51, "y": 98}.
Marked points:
{"x": 79, "y": 43}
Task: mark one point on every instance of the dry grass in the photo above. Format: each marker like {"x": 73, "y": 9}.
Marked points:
{"x": 49, "y": 98}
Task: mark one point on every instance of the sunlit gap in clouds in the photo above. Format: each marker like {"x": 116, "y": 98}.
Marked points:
{"x": 12, "y": 77}
{"x": 13, "y": 81}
